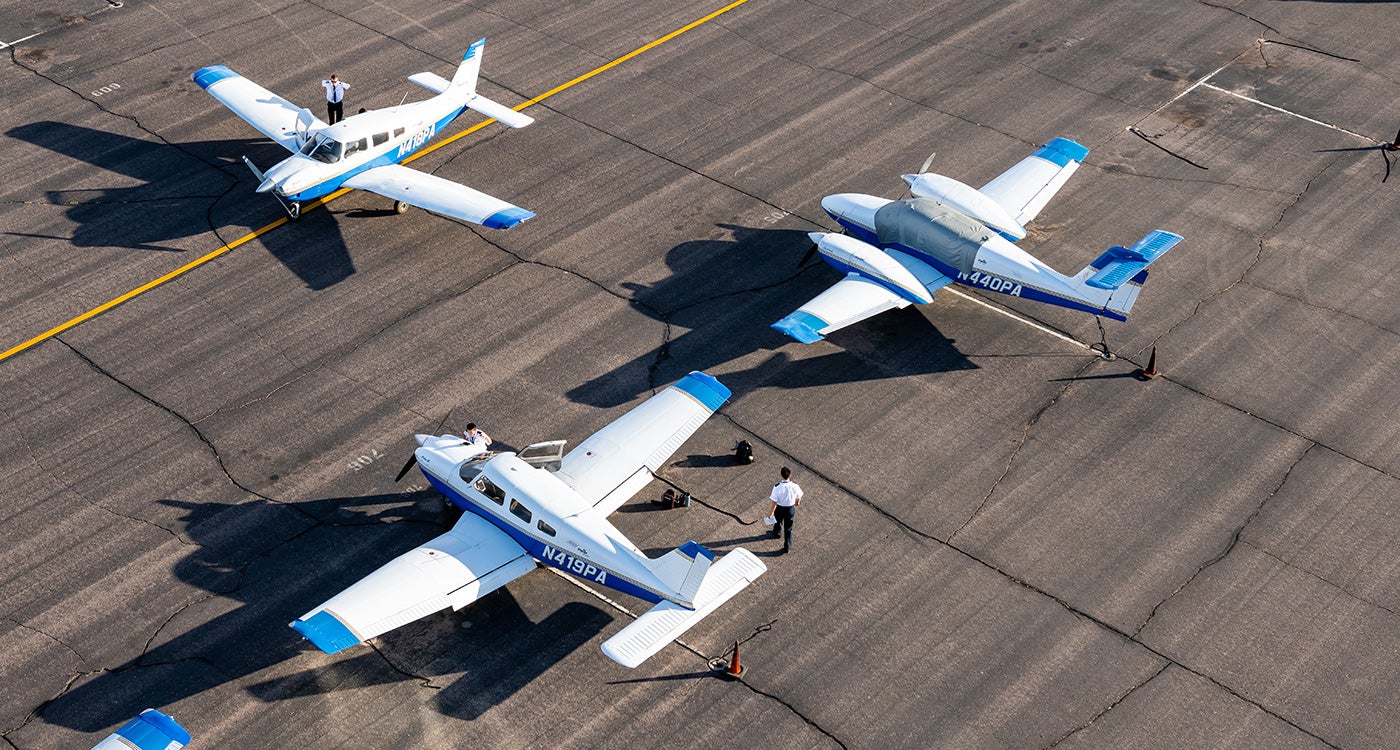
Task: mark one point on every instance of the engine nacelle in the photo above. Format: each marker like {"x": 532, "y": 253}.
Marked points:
{"x": 850, "y": 253}
{"x": 966, "y": 199}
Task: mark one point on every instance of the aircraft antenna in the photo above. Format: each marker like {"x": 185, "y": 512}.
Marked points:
{"x": 405, "y": 98}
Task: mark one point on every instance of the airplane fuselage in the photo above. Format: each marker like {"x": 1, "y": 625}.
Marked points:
{"x": 955, "y": 245}
{"x": 373, "y": 139}
{"x": 542, "y": 514}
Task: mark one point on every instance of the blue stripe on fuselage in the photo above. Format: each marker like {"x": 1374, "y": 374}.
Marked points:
{"x": 392, "y": 156}
{"x": 536, "y": 548}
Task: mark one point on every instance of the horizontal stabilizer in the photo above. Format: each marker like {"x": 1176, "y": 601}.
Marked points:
{"x": 499, "y": 112}
{"x": 1118, "y": 264}
{"x": 430, "y": 81}
{"x": 667, "y": 621}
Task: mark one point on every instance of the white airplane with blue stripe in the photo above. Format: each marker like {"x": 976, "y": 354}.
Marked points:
{"x": 150, "y": 730}
{"x": 363, "y": 151}
{"x": 899, "y": 253}
{"x": 542, "y": 505}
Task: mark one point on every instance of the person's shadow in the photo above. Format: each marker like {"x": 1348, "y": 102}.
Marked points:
{"x": 728, "y": 292}
{"x": 266, "y": 564}
{"x": 176, "y": 198}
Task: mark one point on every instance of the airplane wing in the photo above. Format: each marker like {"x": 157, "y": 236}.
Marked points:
{"x": 453, "y": 570}
{"x": 150, "y": 730}
{"x": 439, "y": 196}
{"x": 272, "y": 115}
{"x": 1024, "y": 189}
{"x": 851, "y": 300}
{"x": 617, "y": 461}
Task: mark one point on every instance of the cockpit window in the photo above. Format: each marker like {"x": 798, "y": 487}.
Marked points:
{"x": 381, "y": 138}
{"x": 356, "y": 146}
{"x": 323, "y": 149}
{"x": 488, "y": 488}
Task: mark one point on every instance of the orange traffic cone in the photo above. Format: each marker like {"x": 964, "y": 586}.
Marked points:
{"x": 735, "y": 670}
{"x": 1151, "y": 371}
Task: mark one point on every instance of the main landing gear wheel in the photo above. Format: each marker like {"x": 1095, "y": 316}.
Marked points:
{"x": 294, "y": 210}
{"x": 400, "y": 207}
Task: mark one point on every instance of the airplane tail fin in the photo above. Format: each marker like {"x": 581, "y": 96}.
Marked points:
{"x": 667, "y": 621}
{"x": 466, "y": 77}
{"x": 683, "y": 568}
{"x": 1116, "y": 276}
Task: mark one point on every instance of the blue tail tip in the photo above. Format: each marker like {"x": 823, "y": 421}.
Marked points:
{"x": 472, "y": 50}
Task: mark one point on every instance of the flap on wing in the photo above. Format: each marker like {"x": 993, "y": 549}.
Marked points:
{"x": 272, "y": 115}
{"x": 1024, "y": 189}
{"x": 618, "y": 460}
{"x": 439, "y": 196}
{"x": 851, "y": 300}
{"x": 453, "y": 570}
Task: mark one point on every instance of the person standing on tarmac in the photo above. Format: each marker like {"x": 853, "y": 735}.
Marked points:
{"x": 335, "y": 99}
{"x": 786, "y": 496}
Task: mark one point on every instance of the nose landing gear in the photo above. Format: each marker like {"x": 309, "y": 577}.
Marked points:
{"x": 400, "y": 207}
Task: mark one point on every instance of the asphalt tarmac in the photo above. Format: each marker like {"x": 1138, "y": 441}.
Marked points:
{"x": 1007, "y": 539}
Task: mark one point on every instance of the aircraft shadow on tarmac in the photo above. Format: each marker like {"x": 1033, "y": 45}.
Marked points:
{"x": 727, "y": 292}
{"x": 493, "y": 645}
{"x": 151, "y": 215}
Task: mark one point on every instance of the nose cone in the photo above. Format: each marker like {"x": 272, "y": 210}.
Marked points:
{"x": 286, "y": 177}
{"x": 816, "y": 237}
{"x": 854, "y": 208}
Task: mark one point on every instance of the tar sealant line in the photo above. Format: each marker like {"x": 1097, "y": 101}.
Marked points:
{"x": 1213, "y": 87}
{"x": 1018, "y": 318}
{"x": 612, "y": 603}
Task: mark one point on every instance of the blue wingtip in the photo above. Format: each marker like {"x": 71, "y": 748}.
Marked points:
{"x": 705, "y": 389}
{"x": 1062, "y": 151}
{"x": 475, "y": 48}
{"x": 153, "y": 730}
{"x": 802, "y": 326}
{"x": 507, "y": 218}
{"x": 326, "y": 632}
{"x": 207, "y": 77}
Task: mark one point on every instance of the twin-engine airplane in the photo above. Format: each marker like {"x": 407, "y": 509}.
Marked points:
{"x": 901, "y": 252}
{"x": 540, "y": 504}
{"x": 363, "y": 151}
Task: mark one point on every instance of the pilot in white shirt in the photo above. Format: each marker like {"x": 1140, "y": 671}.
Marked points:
{"x": 335, "y": 98}
{"x": 477, "y": 437}
{"x": 786, "y": 496}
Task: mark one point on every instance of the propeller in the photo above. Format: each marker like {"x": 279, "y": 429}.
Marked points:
{"x": 927, "y": 163}
{"x": 412, "y": 462}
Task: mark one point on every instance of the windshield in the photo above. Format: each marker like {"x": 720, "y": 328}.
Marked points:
{"x": 323, "y": 149}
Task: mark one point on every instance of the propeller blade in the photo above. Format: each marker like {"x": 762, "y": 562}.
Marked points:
{"x": 412, "y": 462}
{"x": 927, "y": 162}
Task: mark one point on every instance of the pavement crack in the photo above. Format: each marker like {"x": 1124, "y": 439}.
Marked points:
{"x": 1234, "y": 538}
{"x": 1110, "y": 707}
{"x": 50, "y": 636}
{"x": 426, "y": 682}
{"x": 1329, "y": 582}
{"x": 1025, "y": 434}
{"x": 795, "y": 711}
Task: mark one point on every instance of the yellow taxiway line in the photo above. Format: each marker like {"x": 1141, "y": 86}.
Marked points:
{"x": 153, "y": 283}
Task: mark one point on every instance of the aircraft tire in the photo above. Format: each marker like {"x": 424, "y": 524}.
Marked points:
{"x": 294, "y": 210}
{"x": 400, "y": 207}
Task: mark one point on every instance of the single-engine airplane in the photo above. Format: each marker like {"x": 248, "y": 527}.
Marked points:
{"x": 363, "y": 151}
{"x": 541, "y": 504}
{"x": 901, "y": 252}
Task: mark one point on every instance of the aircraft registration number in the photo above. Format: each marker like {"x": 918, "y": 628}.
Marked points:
{"x": 417, "y": 139}
{"x": 577, "y": 566}
{"x": 994, "y": 283}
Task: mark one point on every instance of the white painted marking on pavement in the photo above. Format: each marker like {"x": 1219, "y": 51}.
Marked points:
{"x": 1213, "y": 87}
{"x": 1018, "y": 318}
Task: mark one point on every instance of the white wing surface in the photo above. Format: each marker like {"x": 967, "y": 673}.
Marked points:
{"x": 851, "y": 300}
{"x": 1024, "y": 189}
{"x": 272, "y": 115}
{"x": 453, "y": 570}
{"x": 618, "y": 460}
{"x": 439, "y": 196}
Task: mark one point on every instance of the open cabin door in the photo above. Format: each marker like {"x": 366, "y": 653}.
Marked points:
{"x": 546, "y": 455}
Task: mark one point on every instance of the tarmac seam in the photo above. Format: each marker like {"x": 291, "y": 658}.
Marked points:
{"x": 1234, "y": 538}
{"x": 50, "y": 636}
{"x": 1078, "y": 613}
{"x": 1324, "y": 308}
{"x": 1165, "y": 666}
{"x": 1327, "y": 581}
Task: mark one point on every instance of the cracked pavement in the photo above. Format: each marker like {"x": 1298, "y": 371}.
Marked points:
{"x": 1007, "y": 541}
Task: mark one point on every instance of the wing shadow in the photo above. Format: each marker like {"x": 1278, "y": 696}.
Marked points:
{"x": 265, "y": 564}
{"x": 727, "y": 292}
{"x": 175, "y": 199}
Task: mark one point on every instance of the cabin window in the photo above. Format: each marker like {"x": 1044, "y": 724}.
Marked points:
{"x": 520, "y": 511}
{"x": 488, "y": 488}
{"x": 398, "y": 132}
{"x": 381, "y": 138}
{"x": 546, "y": 528}
{"x": 354, "y": 147}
